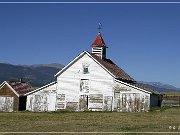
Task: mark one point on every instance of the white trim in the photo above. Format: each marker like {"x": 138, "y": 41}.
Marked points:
{"x": 85, "y": 52}
{"x": 2, "y": 84}
{"x": 77, "y": 58}
{"x": 133, "y": 86}
{"x": 100, "y": 64}
{"x": 6, "y": 83}
{"x": 52, "y": 83}
{"x": 68, "y": 65}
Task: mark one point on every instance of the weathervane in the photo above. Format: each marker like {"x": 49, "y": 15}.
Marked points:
{"x": 99, "y": 26}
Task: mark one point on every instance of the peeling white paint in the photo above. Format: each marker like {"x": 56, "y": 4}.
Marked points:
{"x": 6, "y": 104}
{"x": 95, "y": 90}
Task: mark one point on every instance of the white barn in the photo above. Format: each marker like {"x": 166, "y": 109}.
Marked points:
{"x": 93, "y": 82}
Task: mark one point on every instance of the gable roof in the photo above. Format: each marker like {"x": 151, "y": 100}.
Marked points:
{"x": 133, "y": 86}
{"x": 115, "y": 71}
{"x": 98, "y": 42}
{"x": 113, "y": 68}
{"x": 45, "y": 86}
{"x": 106, "y": 64}
{"x": 19, "y": 88}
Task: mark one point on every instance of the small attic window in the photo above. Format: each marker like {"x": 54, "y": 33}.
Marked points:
{"x": 85, "y": 68}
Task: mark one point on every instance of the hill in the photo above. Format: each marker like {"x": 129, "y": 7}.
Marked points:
{"x": 41, "y": 74}
{"x": 160, "y": 87}
{"x": 38, "y": 75}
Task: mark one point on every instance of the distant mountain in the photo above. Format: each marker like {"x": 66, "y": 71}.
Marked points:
{"x": 38, "y": 74}
{"x": 53, "y": 65}
{"x": 160, "y": 87}
{"x": 41, "y": 74}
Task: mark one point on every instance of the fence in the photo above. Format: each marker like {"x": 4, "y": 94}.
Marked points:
{"x": 171, "y": 100}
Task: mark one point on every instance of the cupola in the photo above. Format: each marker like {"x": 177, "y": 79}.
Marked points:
{"x": 99, "y": 46}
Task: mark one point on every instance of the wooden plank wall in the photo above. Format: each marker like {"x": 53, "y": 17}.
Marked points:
{"x": 5, "y": 91}
{"x": 171, "y": 100}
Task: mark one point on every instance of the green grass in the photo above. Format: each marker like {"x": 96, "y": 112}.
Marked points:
{"x": 156, "y": 121}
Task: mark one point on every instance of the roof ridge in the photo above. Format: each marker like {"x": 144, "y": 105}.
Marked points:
{"x": 113, "y": 68}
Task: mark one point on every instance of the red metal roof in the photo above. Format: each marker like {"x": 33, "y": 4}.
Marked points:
{"x": 99, "y": 42}
{"x": 20, "y": 87}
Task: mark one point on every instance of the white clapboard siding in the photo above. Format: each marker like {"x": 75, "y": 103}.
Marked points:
{"x": 85, "y": 84}
{"x": 130, "y": 99}
{"x": 44, "y": 99}
{"x": 100, "y": 81}
{"x": 96, "y": 90}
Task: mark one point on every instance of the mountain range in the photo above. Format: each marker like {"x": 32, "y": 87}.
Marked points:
{"x": 41, "y": 74}
{"x": 161, "y": 87}
{"x": 38, "y": 74}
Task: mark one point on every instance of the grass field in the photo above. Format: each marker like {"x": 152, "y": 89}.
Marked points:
{"x": 156, "y": 121}
{"x": 172, "y": 93}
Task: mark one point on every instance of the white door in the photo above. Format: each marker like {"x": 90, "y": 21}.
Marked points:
{"x": 51, "y": 102}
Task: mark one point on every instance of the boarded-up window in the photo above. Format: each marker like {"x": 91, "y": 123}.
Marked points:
{"x": 72, "y": 106}
{"x": 61, "y": 97}
{"x": 96, "y": 101}
{"x": 84, "y": 85}
{"x": 6, "y": 104}
{"x": 60, "y": 104}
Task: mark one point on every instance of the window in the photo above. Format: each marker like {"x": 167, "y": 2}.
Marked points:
{"x": 85, "y": 68}
{"x": 84, "y": 85}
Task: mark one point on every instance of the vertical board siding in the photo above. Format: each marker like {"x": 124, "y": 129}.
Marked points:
{"x": 5, "y": 91}
{"x": 85, "y": 85}
{"x": 83, "y": 103}
{"x": 43, "y": 100}
{"x": 96, "y": 90}
{"x": 128, "y": 99}
{"x": 132, "y": 103}
{"x": 108, "y": 101}
{"x": 6, "y": 104}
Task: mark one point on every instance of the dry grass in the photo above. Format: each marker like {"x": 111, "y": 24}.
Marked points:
{"x": 91, "y": 121}
{"x": 172, "y": 93}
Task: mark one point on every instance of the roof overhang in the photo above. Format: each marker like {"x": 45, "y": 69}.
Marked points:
{"x": 133, "y": 86}
{"x": 6, "y": 83}
{"x": 45, "y": 86}
{"x": 77, "y": 58}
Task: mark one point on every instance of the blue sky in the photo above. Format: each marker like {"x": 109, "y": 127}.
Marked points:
{"x": 143, "y": 39}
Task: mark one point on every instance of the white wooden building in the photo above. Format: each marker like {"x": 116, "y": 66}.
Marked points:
{"x": 92, "y": 82}
{"x": 42, "y": 99}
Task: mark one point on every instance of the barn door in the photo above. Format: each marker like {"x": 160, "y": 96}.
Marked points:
{"x": 83, "y": 102}
{"x": 51, "y": 102}
{"x": 40, "y": 103}
{"x": 108, "y": 103}
{"x": 128, "y": 102}
{"x": 131, "y": 102}
{"x": 6, "y": 104}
